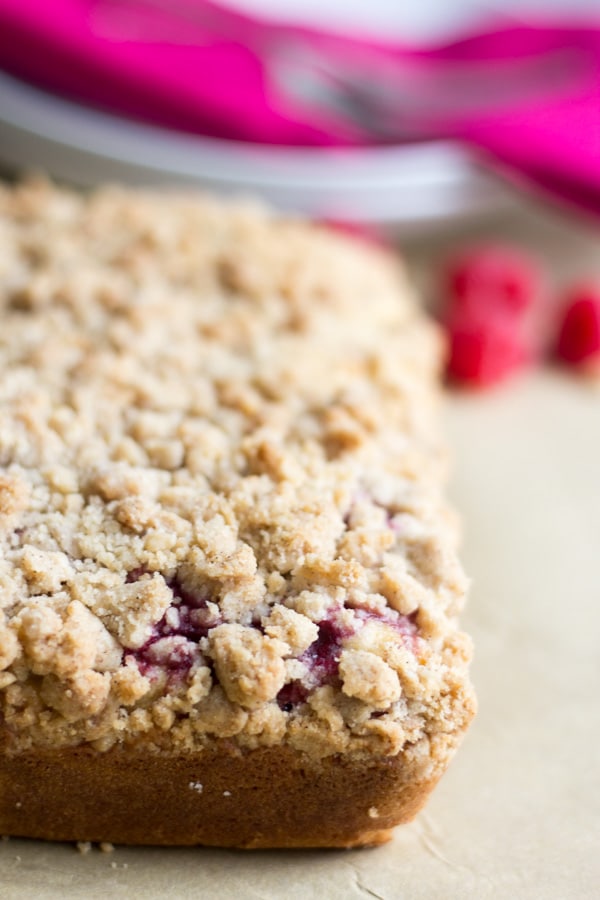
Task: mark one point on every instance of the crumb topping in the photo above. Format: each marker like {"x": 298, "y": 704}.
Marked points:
{"x": 220, "y": 510}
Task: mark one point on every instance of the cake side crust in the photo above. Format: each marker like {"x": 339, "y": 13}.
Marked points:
{"x": 269, "y": 797}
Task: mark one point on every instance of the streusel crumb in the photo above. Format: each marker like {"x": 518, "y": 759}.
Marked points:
{"x": 220, "y": 512}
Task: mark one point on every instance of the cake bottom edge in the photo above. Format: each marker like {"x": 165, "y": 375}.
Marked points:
{"x": 271, "y": 797}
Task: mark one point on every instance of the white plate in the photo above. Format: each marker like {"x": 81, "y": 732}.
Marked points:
{"x": 409, "y": 185}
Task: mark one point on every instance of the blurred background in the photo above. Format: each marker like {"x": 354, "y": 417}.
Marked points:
{"x": 409, "y": 114}
{"x": 429, "y": 124}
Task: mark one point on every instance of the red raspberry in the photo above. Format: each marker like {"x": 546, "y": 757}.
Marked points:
{"x": 579, "y": 335}
{"x": 492, "y": 275}
{"x": 490, "y": 290}
{"x": 483, "y": 351}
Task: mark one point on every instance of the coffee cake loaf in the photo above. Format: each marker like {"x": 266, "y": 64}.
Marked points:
{"x": 228, "y": 581}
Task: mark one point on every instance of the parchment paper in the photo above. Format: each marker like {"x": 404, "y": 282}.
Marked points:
{"x": 518, "y": 813}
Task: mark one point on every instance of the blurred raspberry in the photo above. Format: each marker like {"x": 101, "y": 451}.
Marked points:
{"x": 492, "y": 276}
{"x": 483, "y": 352}
{"x": 490, "y": 291}
{"x": 578, "y": 341}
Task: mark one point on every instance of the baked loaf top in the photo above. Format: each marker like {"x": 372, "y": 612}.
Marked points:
{"x": 220, "y": 512}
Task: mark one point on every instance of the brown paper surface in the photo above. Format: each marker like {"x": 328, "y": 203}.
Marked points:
{"x": 518, "y": 813}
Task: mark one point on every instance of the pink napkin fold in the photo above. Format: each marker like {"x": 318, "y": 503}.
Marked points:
{"x": 527, "y": 96}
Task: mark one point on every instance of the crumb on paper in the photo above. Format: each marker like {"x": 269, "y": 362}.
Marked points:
{"x": 107, "y": 847}
{"x": 84, "y": 847}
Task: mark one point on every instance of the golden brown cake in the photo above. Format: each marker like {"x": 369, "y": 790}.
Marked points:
{"x": 228, "y": 581}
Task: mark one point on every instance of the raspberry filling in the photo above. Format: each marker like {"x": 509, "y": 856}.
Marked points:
{"x": 173, "y": 644}
{"x": 323, "y": 656}
{"x": 322, "y": 659}
{"x": 291, "y": 695}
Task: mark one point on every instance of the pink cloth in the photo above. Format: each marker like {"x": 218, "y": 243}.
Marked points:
{"x": 528, "y": 96}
